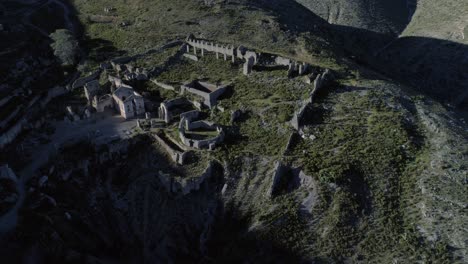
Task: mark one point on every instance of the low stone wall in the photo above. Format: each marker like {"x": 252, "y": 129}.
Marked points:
{"x": 52, "y": 93}
{"x": 177, "y": 156}
{"x": 200, "y": 124}
{"x": 321, "y": 81}
{"x": 278, "y": 172}
{"x": 190, "y": 115}
{"x": 282, "y": 61}
{"x": 163, "y": 85}
{"x": 200, "y": 144}
{"x": 297, "y": 116}
{"x": 209, "y": 98}
{"x": 190, "y": 56}
{"x": 80, "y": 82}
{"x": 289, "y": 143}
{"x": 185, "y": 185}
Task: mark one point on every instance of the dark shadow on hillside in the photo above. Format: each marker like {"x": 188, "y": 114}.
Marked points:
{"x": 79, "y": 228}
{"x": 232, "y": 242}
{"x": 435, "y": 67}
{"x": 100, "y": 50}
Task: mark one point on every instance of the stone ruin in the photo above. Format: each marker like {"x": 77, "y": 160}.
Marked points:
{"x": 163, "y": 85}
{"x": 209, "y": 92}
{"x": 175, "y": 151}
{"x": 185, "y": 185}
{"x": 248, "y": 65}
{"x": 102, "y": 103}
{"x": 80, "y": 82}
{"x": 128, "y": 102}
{"x": 91, "y": 89}
{"x": 188, "y": 122}
{"x": 320, "y": 81}
{"x": 109, "y": 9}
{"x": 123, "y": 98}
{"x": 300, "y": 68}
{"x": 129, "y": 72}
{"x": 171, "y": 108}
{"x": 225, "y": 50}
{"x": 250, "y": 57}
{"x": 77, "y": 113}
{"x": 286, "y": 178}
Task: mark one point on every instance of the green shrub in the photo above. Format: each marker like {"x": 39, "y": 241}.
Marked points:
{"x": 65, "y": 47}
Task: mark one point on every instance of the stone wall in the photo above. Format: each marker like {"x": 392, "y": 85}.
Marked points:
{"x": 321, "y": 81}
{"x": 209, "y": 98}
{"x": 165, "y": 108}
{"x": 200, "y": 144}
{"x": 248, "y": 65}
{"x": 278, "y": 172}
{"x": 103, "y": 102}
{"x": 297, "y": 116}
{"x": 225, "y": 50}
{"x": 200, "y": 124}
{"x": 176, "y": 155}
{"x": 185, "y": 185}
{"x": 282, "y": 61}
{"x": 91, "y": 89}
{"x": 163, "y": 85}
{"x": 190, "y": 115}
{"x": 80, "y": 82}
{"x": 190, "y": 56}
{"x": 52, "y": 93}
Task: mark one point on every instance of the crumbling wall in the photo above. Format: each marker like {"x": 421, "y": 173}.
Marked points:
{"x": 91, "y": 89}
{"x": 177, "y": 156}
{"x": 163, "y": 85}
{"x": 190, "y": 56}
{"x": 165, "y": 108}
{"x": 282, "y": 61}
{"x": 185, "y": 185}
{"x": 278, "y": 172}
{"x": 225, "y": 50}
{"x": 103, "y": 102}
{"x": 200, "y": 144}
{"x": 248, "y": 65}
{"x": 190, "y": 115}
{"x": 321, "y": 81}
{"x": 80, "y": 82}
{"x": 200, "y": 124}
{"x": 209, "y": 98}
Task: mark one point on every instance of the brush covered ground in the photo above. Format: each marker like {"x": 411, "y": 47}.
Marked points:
{"x": 385, "y": 164}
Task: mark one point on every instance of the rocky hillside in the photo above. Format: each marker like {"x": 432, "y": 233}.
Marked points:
{"x": 431, "y": 53}
{"x": 377, "y": 173}
{"x": 382, "y": 16}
